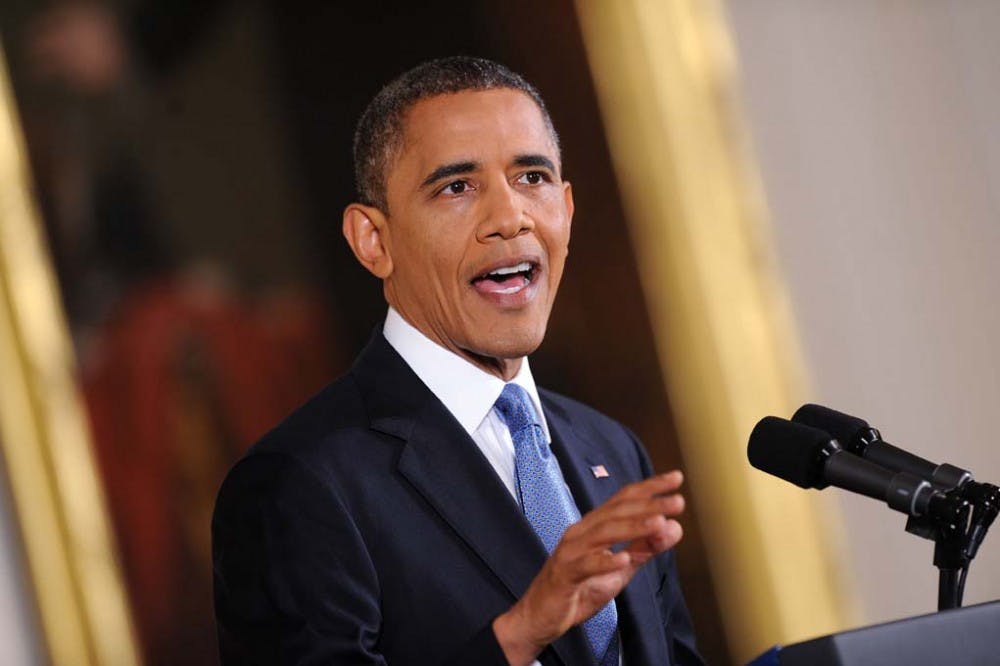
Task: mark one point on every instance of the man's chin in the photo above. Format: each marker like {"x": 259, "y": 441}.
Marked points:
{"x": 507, "y": 348}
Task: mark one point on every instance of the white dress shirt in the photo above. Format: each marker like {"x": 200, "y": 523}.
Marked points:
{"x": 468, "y": 392}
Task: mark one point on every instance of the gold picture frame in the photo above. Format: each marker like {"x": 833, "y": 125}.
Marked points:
{"x": 666, "y": 77}
{"x": 64, "y": 525}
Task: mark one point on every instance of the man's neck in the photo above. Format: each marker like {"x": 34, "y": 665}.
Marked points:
{"x": 504, "y": 368}
{"x": 466, "y": 388}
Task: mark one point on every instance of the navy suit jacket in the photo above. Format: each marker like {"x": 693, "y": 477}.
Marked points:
{"x": 368, "y": 528}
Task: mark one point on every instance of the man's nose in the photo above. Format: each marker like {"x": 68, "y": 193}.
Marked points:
{"x": 504, "y": 215}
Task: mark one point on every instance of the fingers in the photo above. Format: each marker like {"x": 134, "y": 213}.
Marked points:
{"x": 631, "y": 514}
{"x": 666, "y": 534}
{"x": 669, "y": 537}
{"x": 639, "y": 516}
{"x": 659, "y": 484}
{"x": 627, "y": 520}
{"x": 598, "y": 563}
{"x": 584, "y": 573}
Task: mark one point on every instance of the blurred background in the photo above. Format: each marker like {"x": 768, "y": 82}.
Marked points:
{"x": 190, "y": 161}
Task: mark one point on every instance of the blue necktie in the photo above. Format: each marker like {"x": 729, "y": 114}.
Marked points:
{"x": 547, "y": 504}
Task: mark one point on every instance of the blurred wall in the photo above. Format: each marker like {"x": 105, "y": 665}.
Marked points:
{"x": 20, "y": 640}
{"x": 875, "y": 126}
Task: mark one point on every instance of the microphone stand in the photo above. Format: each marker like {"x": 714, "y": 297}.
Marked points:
{"x": 956, "y": 521}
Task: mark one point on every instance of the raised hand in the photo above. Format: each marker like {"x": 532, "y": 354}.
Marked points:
{"x": 584, "y": 573}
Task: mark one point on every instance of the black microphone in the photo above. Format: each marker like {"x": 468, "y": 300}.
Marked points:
{"x": 811, "y": 458}
{"x": 861, "y": 439}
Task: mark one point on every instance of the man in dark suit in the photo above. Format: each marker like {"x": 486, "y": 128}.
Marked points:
{"x": 426, "y": 507}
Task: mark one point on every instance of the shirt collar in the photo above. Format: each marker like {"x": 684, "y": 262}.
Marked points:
{"x": 466, "y": 390}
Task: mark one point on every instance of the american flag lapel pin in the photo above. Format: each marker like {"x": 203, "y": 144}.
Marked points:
{"x": 600, "y": 471}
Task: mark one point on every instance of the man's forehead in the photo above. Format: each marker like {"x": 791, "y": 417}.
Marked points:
{"x": 459, "y": 125}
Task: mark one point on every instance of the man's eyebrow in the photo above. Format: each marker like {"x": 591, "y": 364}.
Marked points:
{"x": 535, "y": 161}
{"x": 449, "y": 170}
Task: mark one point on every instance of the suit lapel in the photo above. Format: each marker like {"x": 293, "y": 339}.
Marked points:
{"x": 449, "y": 471}
{"x": 579, "y": 451}
{"x": 577, "y": 455}
{"x": 464, "y": 489}
{"x": 446, "y": 467}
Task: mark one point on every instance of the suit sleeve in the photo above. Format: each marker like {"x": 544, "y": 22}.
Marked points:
{"x": 673, "y": 609}
{"x": 293, "y": 579}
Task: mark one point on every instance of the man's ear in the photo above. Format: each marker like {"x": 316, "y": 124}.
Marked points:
{"x": 568, "y": 195}
{"x": 366, "y": 232}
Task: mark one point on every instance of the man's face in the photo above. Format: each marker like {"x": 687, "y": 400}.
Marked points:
{"x": 478, "y": 223}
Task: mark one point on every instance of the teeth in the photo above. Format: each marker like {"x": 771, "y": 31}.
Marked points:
{"x": 512, "y": 290}
{"x": 508, "y": 270}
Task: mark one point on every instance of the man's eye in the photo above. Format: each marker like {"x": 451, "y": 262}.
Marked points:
{"x": 458, "y": 187}
{"x": 534, "y": 177}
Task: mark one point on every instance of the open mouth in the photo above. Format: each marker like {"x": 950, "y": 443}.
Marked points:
{"x": 507, "y": 279}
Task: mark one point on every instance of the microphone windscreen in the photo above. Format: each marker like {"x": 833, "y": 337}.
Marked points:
{"x": 791, "y": 451}
{"x": 844, "y": 428}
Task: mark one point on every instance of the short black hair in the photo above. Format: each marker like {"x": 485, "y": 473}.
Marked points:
{"x": 379, "y": 134}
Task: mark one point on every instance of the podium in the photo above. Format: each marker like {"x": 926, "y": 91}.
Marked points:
{"x": 963, "y": 636}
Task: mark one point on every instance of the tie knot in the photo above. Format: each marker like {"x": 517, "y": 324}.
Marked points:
{"x": 516, "y": 408}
